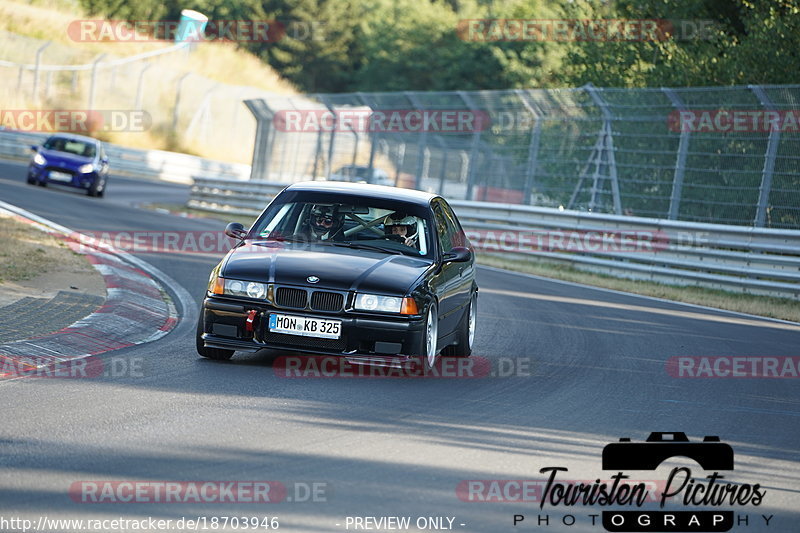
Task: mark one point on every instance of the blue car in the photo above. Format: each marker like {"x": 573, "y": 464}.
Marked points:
{"x": 72, "y": 160}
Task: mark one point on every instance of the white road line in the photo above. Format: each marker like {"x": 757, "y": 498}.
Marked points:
{"x": 623, "y": 293}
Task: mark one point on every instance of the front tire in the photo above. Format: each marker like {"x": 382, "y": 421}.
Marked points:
{"x": 97, "y": 189}
{"x": 210, "y": 353}
{"x": 428, "y": 342}
{"x": 465, "y": 338}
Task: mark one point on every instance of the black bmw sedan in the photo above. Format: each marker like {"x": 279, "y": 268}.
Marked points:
{"x": 376, "y": 274}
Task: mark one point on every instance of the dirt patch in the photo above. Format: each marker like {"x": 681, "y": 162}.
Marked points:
{"x": 38, "y": 265}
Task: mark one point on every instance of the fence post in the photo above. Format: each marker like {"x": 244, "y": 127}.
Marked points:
{"x": 443, "y": 170}
{"x": 473, "y": 151}
{"x": 533, "y": 147}
{"x": 261, "y": 156}
{"x": 139, "y": 86}
{"x": 176, "y": 109}
{"x": 607, "y": 146}
{"x": 93, "y": 82}
{"x": 680, "y": 163}
{"x": 36, "y": 68}
{"x": 401, "y": 159}
{"x": 769, "y": 160}
{"x": 422, "y": 144}
{"x": 332, "y": 139}
{"x": 355, "y": 148}
{"x": 317, "y": 155}
{"x": 373, "y": 137}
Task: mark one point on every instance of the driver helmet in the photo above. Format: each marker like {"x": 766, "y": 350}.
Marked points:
{"x": 395, "y": 220}
{"x": 324, "y": 219}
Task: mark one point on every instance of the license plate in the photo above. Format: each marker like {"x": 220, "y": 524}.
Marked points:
{"x": 305, "y": 326}
{"x": 60, "y": 176}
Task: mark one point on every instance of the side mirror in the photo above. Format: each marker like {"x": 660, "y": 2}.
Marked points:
{"x": 34, "y": 148}
{"x": 104, "y": 160}
{"x": 459, "y": 254}
{"x": 235, "y": 230}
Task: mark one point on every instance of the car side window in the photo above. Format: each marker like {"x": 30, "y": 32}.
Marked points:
{"x": 457, "y": 237}
{"x": 444, "y": 230}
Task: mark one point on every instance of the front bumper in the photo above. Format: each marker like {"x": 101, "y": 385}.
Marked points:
{"x": 363, "y": 336}
{"x": 83, "y": 181}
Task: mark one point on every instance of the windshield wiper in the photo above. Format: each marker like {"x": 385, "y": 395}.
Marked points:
{"x": 360, "y": 246}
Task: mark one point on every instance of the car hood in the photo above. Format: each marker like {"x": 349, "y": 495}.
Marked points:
{"x": 337, "y": 268}
{"x": 54, "y": 157}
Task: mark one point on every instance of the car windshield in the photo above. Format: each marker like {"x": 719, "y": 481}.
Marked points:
{"x": 353, "y": 172}
{"x": 361, "y": 172}
{"x": 349, "y": 221}
{"x": 70, "y": 146}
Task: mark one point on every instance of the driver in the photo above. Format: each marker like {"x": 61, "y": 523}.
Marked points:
{"x": 404, "y": 227}
{"x": 324, "y": 222}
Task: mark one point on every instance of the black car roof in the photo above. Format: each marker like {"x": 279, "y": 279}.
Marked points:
{"x": 366, "y": 190}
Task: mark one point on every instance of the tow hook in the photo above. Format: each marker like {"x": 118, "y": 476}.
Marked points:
{"x": 251, "y": 316}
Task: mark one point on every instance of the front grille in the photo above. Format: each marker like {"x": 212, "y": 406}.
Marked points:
{"x": 59, "y": 169}
{"x": 288, "y": 297}
{"x": 304, "y": 342}
{"x": 326, "y": 301}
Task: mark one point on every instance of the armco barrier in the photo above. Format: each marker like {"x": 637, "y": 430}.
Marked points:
{"x": 739, "y": 258}
{"x": 130, "y": 162}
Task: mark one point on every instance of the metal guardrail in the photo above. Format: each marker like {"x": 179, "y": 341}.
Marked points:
{"x": 696, "y": 154}
{"x": 134, "y": 163}
{"x": 738, "y": 258}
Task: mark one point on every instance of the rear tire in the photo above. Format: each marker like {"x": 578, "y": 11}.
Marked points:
{"x": 210, "y": 353}
{"x": 465, "y": 338}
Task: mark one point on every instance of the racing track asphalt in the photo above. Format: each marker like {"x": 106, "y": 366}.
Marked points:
{"x": 393, "y": 447}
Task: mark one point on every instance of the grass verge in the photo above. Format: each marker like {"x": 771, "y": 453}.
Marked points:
{"x": 781, "y": 308}
{"x": 28, "y": 252}
{"x": 222, "y": 75}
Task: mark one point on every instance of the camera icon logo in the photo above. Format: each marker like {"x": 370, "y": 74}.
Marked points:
{"x": 710, "y": 454}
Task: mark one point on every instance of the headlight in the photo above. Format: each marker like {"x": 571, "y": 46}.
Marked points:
{"x": 85, "y": 169}
{"x": 375, "y": 302}
{"x": 39, "y": 159}
{"x": 249, "y": 289}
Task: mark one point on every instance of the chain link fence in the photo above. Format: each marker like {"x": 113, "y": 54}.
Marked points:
{"x": 195, "y": 111}
{"x": 727, "y": 155}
